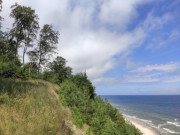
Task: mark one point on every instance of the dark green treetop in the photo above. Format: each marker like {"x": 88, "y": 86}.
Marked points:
{"x": 58, "y": 67}
{"x": 82, "y": 81}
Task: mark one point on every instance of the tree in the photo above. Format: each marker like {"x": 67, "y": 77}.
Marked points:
{"x": 7, "y": 45}
{"x": 59, "y": 68}
{"x": 81, "y": 80}
{"x": 59, "y": 65}
{"x": 47, "y": 45}
{"x": 25, "y": 27}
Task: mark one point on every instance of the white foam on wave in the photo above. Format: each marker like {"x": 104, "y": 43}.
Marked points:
{"x": 161, "y": 125}
{"x": 146, "y": 121}
{"x": 175, "y": 119}
{"x": 149, "y": 122}
{"x": 152, "y": 125}
{"x": 174, "y": 123}
{"x": 171, "y": 131}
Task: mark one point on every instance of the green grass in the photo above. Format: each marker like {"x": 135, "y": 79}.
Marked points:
{"x": 31, "y": 108}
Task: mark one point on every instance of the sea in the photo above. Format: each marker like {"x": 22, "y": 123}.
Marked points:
{"x": 160, "y": 113}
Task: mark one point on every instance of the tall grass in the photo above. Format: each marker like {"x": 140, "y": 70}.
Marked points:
{"x": 29, "y": 108}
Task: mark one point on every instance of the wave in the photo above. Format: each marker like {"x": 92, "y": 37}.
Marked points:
{"x": 174, "y": 123}
{"x": 146, "y": 121}
{"x": 175, "y": 119}
{"x": 135, "y": 117}
{"x": 171, "y": 131}
{"x": 161, "y": 125}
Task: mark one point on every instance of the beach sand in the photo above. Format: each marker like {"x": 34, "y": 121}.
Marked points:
{"x": 144, "y": 129}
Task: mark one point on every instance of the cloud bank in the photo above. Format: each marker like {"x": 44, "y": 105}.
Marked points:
{"x": 88, "y": 40}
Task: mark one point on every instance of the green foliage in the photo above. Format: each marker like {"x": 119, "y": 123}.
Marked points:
{"x": 73, "y": 95}
{"x": 58, "y": 64}
{"x": 46, "y": 45}
{"x": 50, "y": 76}
{"x": 23, "y": 34}
{"x": 58, "y": 71}
{"x": 77, "y": 117}
{"x": 22, "y": 74}
{"x": 31, "y": 67}
{"x": 13, "y": 68}
{"x": 9, "y": 68}
{"x": 25, "y": 26}
{"x": 102, "y": 118}
{"x": 84, "y": 84}
{"x": 7, "y": 46}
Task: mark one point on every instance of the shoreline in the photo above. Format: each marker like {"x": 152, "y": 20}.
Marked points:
{"x": 142, "y": 128}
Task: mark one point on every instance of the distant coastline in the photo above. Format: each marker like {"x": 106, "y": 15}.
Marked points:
{"x": 159, "y": 113}
{"x": 142, "y": 127}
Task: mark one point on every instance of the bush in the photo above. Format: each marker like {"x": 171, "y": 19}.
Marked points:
{"x": 72, "y": 94}
{"x": 82, "y": 82}
{"x": 77, "y": 117}
{"x": 9, "y": 68}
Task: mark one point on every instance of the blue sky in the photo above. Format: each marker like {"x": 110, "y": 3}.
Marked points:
{"x": 159, "y": 49}
{"x": 125, "y": 47}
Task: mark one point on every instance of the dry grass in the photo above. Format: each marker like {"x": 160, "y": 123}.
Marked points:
{"x": 32, "y": 108}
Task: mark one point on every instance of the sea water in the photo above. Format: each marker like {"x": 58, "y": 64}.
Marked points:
{"x": 161, "y": 113}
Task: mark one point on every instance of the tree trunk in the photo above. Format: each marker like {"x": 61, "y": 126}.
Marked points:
{"x": 24, "y": 52}
{"x": 16, "y": 51}
{"x": 39, "y": 65}
{"x": 40, "y": 54}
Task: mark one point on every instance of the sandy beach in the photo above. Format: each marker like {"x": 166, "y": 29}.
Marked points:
{"x": 144, "y": 129}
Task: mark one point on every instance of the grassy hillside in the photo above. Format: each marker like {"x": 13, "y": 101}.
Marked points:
{"x": 32, "y": 108}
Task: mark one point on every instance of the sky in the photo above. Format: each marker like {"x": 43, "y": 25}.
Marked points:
{"x": 126, "y": 47}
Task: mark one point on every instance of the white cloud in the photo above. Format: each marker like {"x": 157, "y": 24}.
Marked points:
{"x": 119, "y": 12}
{"x": 158, "y": 67}
{"x": 94, "y": 51}
{"x": 153, "y": 22}
{"x": 156, "y": 24}
{"x": 87, "y": 45}
{"x": 159, "y": 42}
{"x": 161, "y": 73}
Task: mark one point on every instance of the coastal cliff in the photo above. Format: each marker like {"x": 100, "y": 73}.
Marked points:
{"x": 37, "y": 107}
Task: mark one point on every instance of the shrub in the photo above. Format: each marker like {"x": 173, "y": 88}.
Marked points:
{"x": 77, "y": 117}
{"x": 72, "y": 94}
{"x": 9, "y": 68}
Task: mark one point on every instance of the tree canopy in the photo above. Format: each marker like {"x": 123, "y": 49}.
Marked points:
{"x": 25, "y": 27}
{"x": 46, "y": 46}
